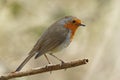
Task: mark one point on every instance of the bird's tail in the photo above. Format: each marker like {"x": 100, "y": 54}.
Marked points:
{"x": 25, "y": 61}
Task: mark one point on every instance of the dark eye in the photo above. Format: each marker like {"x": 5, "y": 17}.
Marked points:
{"x": 73, "y": 21}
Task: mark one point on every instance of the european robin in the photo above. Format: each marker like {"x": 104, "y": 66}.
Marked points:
{"x": 57, "y": 37}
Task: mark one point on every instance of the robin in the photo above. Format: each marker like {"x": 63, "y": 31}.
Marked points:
{"x": 57, "y": 37}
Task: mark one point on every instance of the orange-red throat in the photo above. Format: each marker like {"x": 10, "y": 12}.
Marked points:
{"x": 73, "y": 25}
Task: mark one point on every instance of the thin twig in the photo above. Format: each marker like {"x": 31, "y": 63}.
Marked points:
{"x": 47, "y": 68}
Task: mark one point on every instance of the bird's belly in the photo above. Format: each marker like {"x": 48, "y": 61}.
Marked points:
{"x": 64, "y": 44}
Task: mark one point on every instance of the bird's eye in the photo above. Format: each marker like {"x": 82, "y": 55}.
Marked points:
{"x": 73, "y": 21}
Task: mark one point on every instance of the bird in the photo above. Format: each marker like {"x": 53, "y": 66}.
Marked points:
{"x": 57, "y": 37}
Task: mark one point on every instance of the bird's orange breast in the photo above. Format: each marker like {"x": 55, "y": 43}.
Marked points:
{"x": 73, "y": 29}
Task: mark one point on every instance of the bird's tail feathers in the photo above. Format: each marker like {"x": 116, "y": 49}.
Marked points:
{"x": 25, "y": 61}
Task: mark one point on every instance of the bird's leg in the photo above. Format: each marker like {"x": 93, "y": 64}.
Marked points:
{"x": 57, "y": 58}
{"x": 48, "y": 61}
{"x": 47, "y": 58}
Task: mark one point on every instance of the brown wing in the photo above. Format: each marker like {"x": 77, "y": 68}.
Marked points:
{"x": 51, "y": 39}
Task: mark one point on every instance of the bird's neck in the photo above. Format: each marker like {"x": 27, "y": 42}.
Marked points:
{"x": 72, "y": 28}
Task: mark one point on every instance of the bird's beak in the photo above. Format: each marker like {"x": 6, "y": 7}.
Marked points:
{"x": 81, "y": 25}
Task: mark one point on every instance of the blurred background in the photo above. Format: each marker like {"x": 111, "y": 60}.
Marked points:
{"x": 23, "y": 21}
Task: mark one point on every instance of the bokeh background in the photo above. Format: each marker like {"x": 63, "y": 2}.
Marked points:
{"x": 23, "y": 21}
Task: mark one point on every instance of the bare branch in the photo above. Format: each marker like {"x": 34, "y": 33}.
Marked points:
{"x": 48, "y": 68}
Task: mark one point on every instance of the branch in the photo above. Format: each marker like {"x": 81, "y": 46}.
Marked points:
{"x": 44, "y": 69}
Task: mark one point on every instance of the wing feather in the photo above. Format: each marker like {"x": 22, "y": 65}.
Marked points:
{"x": 50, "y": 40}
